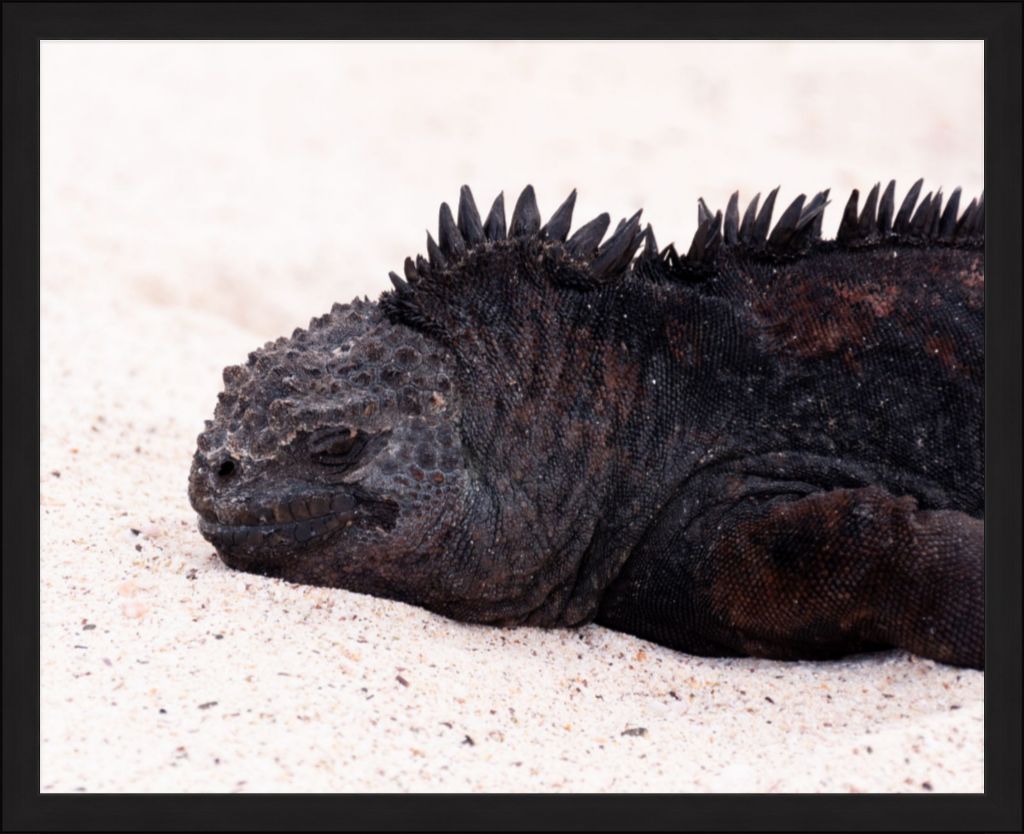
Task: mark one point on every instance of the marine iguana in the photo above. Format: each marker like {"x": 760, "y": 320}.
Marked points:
{"x": 769, "y": 446}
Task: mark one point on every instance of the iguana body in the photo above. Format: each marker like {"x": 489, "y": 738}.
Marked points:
{"x": 769, "y": 446}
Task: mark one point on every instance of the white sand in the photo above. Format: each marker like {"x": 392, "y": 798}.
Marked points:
{"x": 201, "y": 199}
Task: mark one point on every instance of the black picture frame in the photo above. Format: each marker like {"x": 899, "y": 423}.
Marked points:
{"x": 26, "y": 24}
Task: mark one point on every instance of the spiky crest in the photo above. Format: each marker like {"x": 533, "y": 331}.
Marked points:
{"x": 796, "y": 233}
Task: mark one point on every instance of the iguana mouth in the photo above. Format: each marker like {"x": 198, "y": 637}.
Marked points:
{"x": 301, "y": 521}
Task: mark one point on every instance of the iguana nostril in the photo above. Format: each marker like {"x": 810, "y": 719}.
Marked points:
{"x": 227, "y": 468}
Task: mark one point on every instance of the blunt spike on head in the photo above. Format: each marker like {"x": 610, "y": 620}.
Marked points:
{"x": 437, "y": 258}
{"x": 714, "y": 238}
{"x": 525, "y": 216}
{"x": 947, "y": 222}
{"x": 731, "y": 231}
{"x": 557, "y": 227}
{"x": 749, "y": 216}
{"x": 902, "y": 224}
{"x": 868, "y": 223}
{"x": 411, "y": 275}
{"x": 469, "y": 218}
{"x": 448, "y": 235}
{"x": 703, "y": 212}
{"x": 650, "y": 244}
{"x": 786, "y": 228}
{"x": 422, "y": 265}
{"x": 618, "y": 250}
{"x": 848, "y": 224}
{"x": 695, "y": 253}
{"x": 886, "y": 208}
{"x": 585, "y": 240}
{"x": 764, "y": 218}
{"x": 400, "y": 285}
{"x": 494, "y": 225}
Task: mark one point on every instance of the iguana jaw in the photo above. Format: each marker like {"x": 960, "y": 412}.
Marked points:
{"x": 300, "y": 523}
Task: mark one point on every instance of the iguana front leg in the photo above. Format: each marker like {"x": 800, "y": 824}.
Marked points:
{"x": 816, "y": 576}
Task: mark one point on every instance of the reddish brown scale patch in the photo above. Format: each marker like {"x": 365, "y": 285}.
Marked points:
{"x": 812, "y": 318}
{"x": 943, "y": 348}
{"x": 621, "y": 384}
{"x": 973, "y": 282}
{"x": 773, "y": 563}
{"x": 881, "y": 300}
{"x": 683, "y": 342}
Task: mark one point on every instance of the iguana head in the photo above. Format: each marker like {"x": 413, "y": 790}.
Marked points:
{"x": 440, "y": 447}
{"x": 331, "y": 452}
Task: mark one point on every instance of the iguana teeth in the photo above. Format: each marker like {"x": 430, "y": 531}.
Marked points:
{"x": 448, "y": 235}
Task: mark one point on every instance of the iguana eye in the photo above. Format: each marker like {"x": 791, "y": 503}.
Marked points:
{"x": 339, "y": 446}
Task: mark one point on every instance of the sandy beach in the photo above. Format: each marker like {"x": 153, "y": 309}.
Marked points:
{"x": 200, "y": 199}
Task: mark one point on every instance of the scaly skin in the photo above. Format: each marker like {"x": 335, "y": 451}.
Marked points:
{"x": 771, "y": 446}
